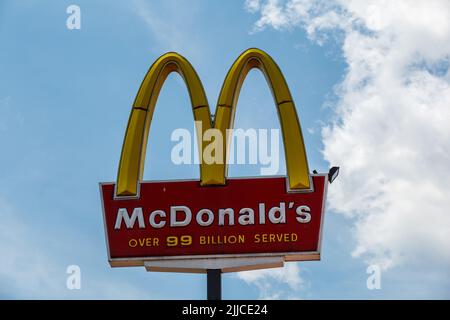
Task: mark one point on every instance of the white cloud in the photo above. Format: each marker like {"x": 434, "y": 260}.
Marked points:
{"x": 253, "y": 5}
{"x": 173, "y": 25}
{"x": 27, "y": 271}
{"x": 9, "y": 116}
{"x": 304, "y": 13}
{"x": 267, "y": 280}
{"x": 391, "y": 134}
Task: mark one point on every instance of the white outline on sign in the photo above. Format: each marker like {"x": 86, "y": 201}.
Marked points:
{"x": 287, "y": 256}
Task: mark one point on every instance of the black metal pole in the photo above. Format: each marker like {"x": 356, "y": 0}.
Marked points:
{"x": 214, "y": 284}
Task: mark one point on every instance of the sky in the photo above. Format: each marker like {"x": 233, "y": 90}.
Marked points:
{"x": 371, "y": 84}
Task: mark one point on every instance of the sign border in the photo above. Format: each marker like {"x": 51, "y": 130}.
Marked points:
{"x": 287, "y": 256}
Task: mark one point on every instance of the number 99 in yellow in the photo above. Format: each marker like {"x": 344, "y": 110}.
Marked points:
{"x": 173, "y": 241}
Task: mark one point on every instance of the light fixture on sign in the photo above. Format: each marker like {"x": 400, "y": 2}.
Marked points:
{"x": 333, "y": 173}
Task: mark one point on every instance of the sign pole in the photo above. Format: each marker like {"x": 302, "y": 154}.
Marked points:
{"x": 214, "y": 284}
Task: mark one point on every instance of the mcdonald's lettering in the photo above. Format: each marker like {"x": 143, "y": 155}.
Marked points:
{"x": 215, "y": 216}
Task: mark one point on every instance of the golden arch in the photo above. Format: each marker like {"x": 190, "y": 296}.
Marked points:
{"x": 131, "y": 166}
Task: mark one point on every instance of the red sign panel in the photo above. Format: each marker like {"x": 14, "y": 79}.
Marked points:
{"x": 246, "y": 217}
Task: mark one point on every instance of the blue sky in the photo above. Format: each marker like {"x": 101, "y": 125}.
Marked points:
{"x": 65, "y": 98}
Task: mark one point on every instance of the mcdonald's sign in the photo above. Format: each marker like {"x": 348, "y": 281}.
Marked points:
{"x": 217, "y": 222}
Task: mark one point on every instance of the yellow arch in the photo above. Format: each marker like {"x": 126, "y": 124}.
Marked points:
{"x": 131, "y": 166}
{"x": 295, "y": 153}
